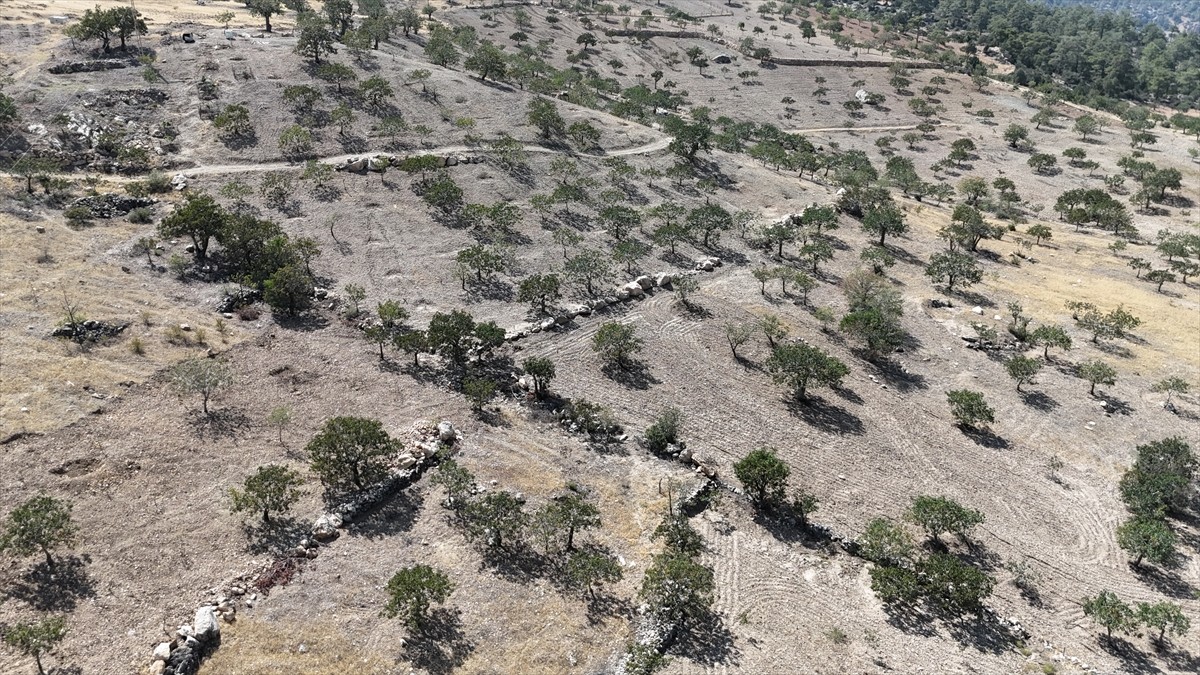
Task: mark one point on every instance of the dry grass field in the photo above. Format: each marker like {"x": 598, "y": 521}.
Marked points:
{"x": 149, "y": 474}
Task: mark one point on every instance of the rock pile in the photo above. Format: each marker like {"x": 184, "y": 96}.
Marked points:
{"x": 131, "y": 98}
{"x": 89, "y": 331}
{"x": 111, "y": 205}
{"x": 237, "y": 298}
{"x": 88, "y": 66}
{"x": 376, "y": 163}
{"x": 193, "y": 642}
{"x": 623, "y": 293}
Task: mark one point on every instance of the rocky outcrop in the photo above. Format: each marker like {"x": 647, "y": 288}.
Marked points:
{"x": 130, "y": 98}
{"x": 88, "y": 66}
{"x": 89, "y": 331}
{"x": 112, "y": 205}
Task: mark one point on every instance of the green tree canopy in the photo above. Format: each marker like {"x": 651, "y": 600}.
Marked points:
{"x": 39, "y": 524}
{"x": 271, "y": 488}
{"x": 763, "y": 475}
{"x": 350, "y": 452}
{"x": 412, "y": 590}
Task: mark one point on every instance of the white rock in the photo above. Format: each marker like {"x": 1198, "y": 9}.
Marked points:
{"x": 326, "y": 527}
{"x": 163, "y": 651}
{"x": 977, "y": 310}
{"x": 446, "y": 432}
{"x": 997, "y": 318}
{"x": 205, "y": 624}
{"x": 157, "y": 668}
{"x": 663, "y": 280}
{"x": 633, "y": 288}
{"x": 645, "y": 282}
{"x": 185, "y": 326}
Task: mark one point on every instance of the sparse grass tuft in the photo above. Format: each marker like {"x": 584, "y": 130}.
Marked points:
{"x": 837, "y": 636}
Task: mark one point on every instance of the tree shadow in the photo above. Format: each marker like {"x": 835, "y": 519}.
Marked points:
{"x": 986, "y": 437}
{"x": 1177, "y": 201}
{"x": 222, "y": 423}
{"x": 54, "y": 589}
{"x": 353, "y": 143}
{"x": 440, "y": 645}
{"x": 974, "y": 298}
{"x": 1180, "y": 659}
{"x": 902, "y": 255}
{"x": 1039, "y": 400}
{"x": 1115, "y": 405}
{"x": 910, "y": 620}
{"x": 1167, "y": 583}
{"x": 392, "y": 516}
{"x": 307, "y": 322}
{"x": 493, "y": 418}
{"x": 277, "y": 537}
{"x": 635, "y": 375}
{"x": 489, "y": 289}
{"x": 897, "y": 376}
{"x": 707, "y": 640}
{"x": 826, "y": 416}
{"x": 1114, "y": 349}
{"x": 1132, "y": 659}
{"x": 979, "y": 555}
{"x": 983, "y": 634}
{"x": 603, "y": 605}
{"x": 516, "y": 562}
{"x": 848, "y": 395}
{"x": 240, "y": 142}
{"x": 693, "y": 310}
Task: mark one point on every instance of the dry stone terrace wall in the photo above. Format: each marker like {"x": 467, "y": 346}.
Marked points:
{"x": 182, "y": 655}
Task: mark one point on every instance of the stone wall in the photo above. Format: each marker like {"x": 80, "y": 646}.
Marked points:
{"x": 194, "y": 641}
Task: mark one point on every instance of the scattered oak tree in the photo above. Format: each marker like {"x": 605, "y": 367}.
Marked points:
{"x": 39, "y": 524}
{"x": 412, "y": 590}
{"x": 36, "y": 638}
{"x": 763, "y": 475}
{"x": 350, "y": 452}
{"x": 616, "y": 342}
{"x": 799, "y": 365}
{"x": 200, "y": 376}
{"x": 271, "y": 488}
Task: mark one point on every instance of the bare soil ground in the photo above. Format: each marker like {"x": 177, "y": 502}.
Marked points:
{"x": 149, "y": 475}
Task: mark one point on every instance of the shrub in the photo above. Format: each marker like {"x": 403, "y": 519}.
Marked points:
{"x": 664, "y": 432}
{"x": 158, "y": 183}
{"x": 969, "y": 408}
{"x": 141, "y": 216}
